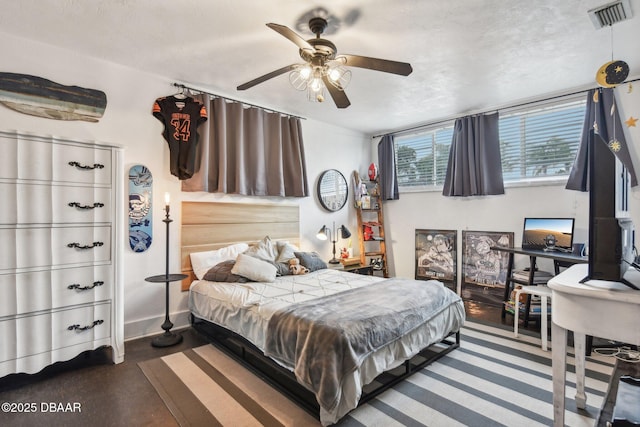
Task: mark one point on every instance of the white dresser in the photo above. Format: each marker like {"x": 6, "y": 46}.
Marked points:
{"x": 61, "y": 240}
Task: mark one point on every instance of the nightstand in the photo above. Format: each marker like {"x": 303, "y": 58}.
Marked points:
{"x": 366, "y": 270}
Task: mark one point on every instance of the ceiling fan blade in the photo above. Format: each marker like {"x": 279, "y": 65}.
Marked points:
{"x": 339, "y": 97}
{"x": 395, "y": 67}
{"x": 292, "y": 35}
{"x": 266, "y": 77}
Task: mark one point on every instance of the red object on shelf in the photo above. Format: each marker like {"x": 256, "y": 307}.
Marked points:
{"x": 367, "y": 232}
{"x": 373, "y": 172}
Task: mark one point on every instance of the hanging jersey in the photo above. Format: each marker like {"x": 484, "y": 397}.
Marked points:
{"x": 181, "y": 118}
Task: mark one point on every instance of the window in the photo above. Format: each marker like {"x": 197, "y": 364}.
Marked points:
{"x": 421, "y": 159}
{"x": 542, "y": 141}
{"x": 536, "y": 142}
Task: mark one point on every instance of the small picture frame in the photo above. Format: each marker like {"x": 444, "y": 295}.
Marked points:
{"x": 484, "y": 270}
{"x": 436, "y": 256}
{"x": 366, "y": 202}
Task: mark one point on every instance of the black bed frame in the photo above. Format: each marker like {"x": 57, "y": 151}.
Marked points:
{"x": 253, "y": 358}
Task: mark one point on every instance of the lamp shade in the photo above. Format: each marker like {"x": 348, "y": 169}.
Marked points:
{"x": 344, "y": 232}
{"x": 323, "y": 233}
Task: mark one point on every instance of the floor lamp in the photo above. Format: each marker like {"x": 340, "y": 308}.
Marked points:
{"x": 168, "y": 338}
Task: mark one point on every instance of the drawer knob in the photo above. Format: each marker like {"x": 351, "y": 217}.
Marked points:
{"x": 79, "y": 246}
{"x": 79, "y": 206}
{"x": 81, "y": 166}
{"x": 84, "y": 288}
{"x": 84, "y": 328}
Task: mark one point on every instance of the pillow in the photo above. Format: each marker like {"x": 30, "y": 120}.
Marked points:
{"x": 264, "y": 250}
{"x": 201, "y": 262}
{"x": 282, "y": 268}
{"x": 311, "y": 260}
{"x": 254, "y": 269}
{"x": 286, "y": 251}
{"x": 221, "y": 272}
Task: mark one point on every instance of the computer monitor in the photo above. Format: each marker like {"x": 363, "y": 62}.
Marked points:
{"x": 548, "y": 234}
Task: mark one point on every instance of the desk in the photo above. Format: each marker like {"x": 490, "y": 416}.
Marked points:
{"x": 598, "y": 308}
{"x": 560, "y": 259}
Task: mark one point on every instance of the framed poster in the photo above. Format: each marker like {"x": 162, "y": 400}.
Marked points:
{"x": 484, "y": 270}
{"x": 436, "y": 255}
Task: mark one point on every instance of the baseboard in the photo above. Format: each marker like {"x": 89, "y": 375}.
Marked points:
{"x": 152, "y": 325}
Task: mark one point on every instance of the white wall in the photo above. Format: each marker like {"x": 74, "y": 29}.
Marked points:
{"x": 431, "y": 210}
{"x": 128, "y": 122}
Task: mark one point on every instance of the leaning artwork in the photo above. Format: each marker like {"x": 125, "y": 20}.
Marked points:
{"x": 436, "y": 255}
{"x": 484, "y": 270}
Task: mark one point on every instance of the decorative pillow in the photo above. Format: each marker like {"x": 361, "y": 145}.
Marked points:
{"x": 311, "y": 260}
{"x": 286, "y": 251}
{"x": 264, "y": 250}
{"x": 254, "y": 269}
{"x": 282, "y": 268}
{"x": 201, "y": 262}
{"x": 221, "y": 272}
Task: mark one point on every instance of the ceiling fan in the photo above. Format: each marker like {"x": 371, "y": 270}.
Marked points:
{"x": 323, "y": 68}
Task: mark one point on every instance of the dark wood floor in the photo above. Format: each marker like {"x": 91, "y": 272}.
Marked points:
{"x": 120, "y": 395}
{"x": 108, "y": 394}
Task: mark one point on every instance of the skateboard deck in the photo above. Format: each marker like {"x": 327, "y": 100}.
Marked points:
{"x": 40, "y": 97}
{"x": 140, "y": 213}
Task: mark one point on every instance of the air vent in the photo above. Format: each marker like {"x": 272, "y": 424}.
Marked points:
{"x": 609, "y": 14}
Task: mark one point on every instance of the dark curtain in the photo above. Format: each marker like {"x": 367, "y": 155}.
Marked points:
{"x": 601, "y": 116}
{"x": 249, "y": 151}
{"x": 475, "y": 167}
{"x": 387, "y": 169}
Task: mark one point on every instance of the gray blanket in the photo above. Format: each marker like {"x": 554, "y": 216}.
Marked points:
{"x": 325, "y": 339}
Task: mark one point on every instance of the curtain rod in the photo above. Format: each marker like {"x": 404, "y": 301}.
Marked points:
{"x": 192, "y": 89}
{"x": 503, "y": 108}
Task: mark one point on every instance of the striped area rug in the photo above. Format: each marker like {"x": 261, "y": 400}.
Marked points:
{"x": 491, "y": 380}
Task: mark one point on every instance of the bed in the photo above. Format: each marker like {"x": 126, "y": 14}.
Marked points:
{"x": 325, "y": 338}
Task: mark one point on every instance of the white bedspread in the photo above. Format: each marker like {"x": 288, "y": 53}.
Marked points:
{"x": 245, "y": 308}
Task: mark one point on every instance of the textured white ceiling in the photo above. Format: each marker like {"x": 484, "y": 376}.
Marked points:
{"x": 467, "y": 55}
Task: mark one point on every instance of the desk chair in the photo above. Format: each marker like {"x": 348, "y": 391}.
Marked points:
{"x": 544, "y": 293}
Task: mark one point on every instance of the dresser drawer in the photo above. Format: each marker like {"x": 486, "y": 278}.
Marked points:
{"x": 30, "y": 158}
{"x": 36, "y": 247}
{"x": 54, "y": 204}
{"x": 43, "y": 290}
{"x": 27, "y": 335}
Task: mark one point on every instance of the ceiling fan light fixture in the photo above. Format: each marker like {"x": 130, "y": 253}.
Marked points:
{"x": 315, "y": 92}
{"x": 316, "y": 84}
{"x": 339, "y": 76}
{"x": 334, "y": 74}
{"x": 322, "y": 68}
{"x": 316, "y": 95}
{"x": 298, "y": 79}
{"x": 305, "y": 71}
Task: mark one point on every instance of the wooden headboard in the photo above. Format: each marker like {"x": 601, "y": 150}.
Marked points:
{"x": 212, "y": 225}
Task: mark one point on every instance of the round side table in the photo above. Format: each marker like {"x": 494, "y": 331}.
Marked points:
{"x": 168, "y": 338}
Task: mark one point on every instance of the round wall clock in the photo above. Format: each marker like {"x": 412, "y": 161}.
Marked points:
{"x": 332, "y": 190}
